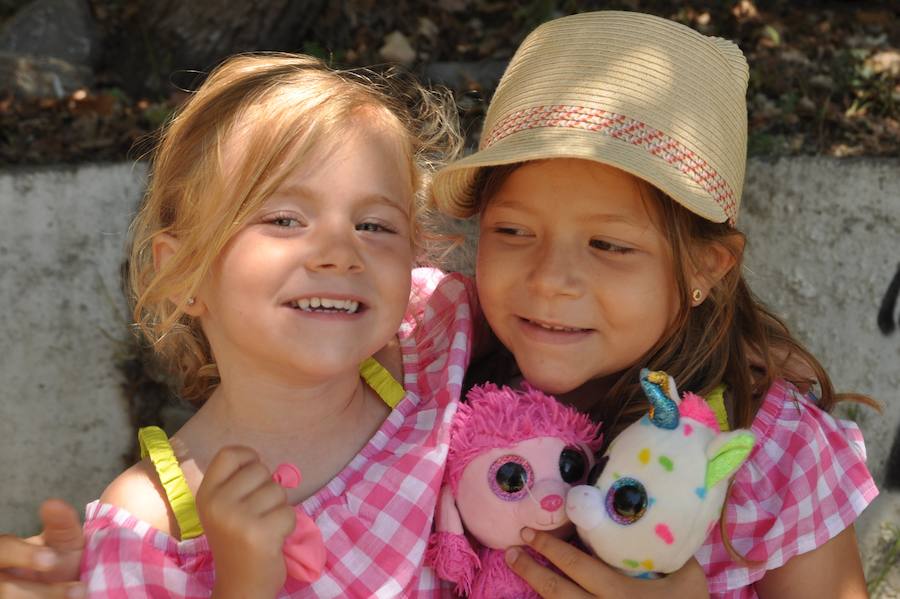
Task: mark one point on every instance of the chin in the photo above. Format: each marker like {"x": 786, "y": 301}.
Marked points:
{"x": 552, "y": 381}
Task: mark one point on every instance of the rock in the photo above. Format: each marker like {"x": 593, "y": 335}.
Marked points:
{"x": 62, "y": 29}
{"x": 41, "y": 76}
{"x": 428, "y": 29}
{"x": 886, "y": 61}
{"x": 397, "y": 49}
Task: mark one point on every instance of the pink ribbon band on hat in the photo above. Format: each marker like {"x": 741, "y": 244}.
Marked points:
{"x": 625, "y": 129}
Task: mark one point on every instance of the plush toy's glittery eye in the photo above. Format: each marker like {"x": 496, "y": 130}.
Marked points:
{"x": 509, "y": 477}
{"x": 626, "y": 501}
{"x": 597, "y": 470}
{"x": 572, "y": 465}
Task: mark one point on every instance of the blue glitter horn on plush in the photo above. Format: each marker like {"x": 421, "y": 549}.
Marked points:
{"x": 663, "y": 410}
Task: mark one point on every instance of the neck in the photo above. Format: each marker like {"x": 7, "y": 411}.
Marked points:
{"x": 253, "y": 406}
{"x": 589, "y": 395}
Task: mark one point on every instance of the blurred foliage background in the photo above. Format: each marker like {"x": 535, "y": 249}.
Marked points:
{"x": 825, "y": 75}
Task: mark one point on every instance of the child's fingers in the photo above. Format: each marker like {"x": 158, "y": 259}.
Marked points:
{"x": 547, "y": 583}
{"x": 13, "y": 588}
{"x": 282, "y": 520}
{"x": 224, "y": 464}
{"x": 62, "y": 527}
{"x": 265, "y": 498}
{"x": 587, "y": 571}
{"x": 26, "y": 555}
{"x": 243, "y": 482}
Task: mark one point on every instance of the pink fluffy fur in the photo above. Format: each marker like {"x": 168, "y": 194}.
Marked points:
{"x": 505, "y": 417}
{"x": 695, "y": 407}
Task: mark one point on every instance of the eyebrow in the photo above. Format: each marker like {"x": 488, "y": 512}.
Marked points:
{"x": 305, "y": 192}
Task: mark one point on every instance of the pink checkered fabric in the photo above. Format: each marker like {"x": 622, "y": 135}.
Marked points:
{"x": 375, "y": 515}
{"x": 805, "y": 482}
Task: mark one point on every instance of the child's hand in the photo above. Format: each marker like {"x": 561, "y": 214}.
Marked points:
{"x": 590, "y": 577}
{"x": 246, "y": 517}
{"x": 45, "y": 565}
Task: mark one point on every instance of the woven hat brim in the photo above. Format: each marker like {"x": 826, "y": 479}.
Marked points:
{"x": 453, "y": 187}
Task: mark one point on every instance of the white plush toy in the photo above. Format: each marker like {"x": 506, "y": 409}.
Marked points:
{"x": 662, "y": 486}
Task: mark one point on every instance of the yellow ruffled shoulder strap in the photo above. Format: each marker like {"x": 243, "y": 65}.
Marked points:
{"x": 384, "y": 384}
{"x": 716, "y": 401}
{"x": 155, "y": 443}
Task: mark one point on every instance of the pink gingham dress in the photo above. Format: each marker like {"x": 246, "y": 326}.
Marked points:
{"x": 375, "y": 515}
{"x": 805, "y": 482}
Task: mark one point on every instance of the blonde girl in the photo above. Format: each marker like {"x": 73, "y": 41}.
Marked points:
{"x": 271, "y": 261}
{"x": 607, "y": 185}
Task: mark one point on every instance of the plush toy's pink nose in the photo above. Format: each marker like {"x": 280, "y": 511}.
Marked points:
{"x": 551, "y": 503}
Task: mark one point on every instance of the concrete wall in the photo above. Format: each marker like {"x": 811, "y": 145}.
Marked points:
{"x": 64, "y": 429}
{"x": 823, "y": 245}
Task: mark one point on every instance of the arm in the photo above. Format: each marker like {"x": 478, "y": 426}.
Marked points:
{"x": 831, "y": 570}
{"x": 590, "y": 577}
{"x": 45, "y": 565}
{"x": 246, "y": 518}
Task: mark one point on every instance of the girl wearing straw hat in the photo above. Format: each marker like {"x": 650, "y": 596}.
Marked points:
{"x": 608, "y": 183}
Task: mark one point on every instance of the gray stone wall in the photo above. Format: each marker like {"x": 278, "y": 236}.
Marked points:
{"x": 64, "y": 429}
{"x": 824, "y": 241}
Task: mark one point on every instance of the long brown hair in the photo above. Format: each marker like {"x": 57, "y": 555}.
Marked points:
{"x": 731, "y": 337}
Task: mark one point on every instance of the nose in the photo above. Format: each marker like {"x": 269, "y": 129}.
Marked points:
{"x": 551, "y": 503}
{"x": 333, "y": 248}
{"x": 554, "y": 271}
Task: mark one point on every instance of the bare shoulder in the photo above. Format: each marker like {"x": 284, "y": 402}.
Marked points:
{"x": 139, "y": 492}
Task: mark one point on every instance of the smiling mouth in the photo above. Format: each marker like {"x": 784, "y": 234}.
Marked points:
{"x": 326, "y": 305}
{"x": 556, "y": 328}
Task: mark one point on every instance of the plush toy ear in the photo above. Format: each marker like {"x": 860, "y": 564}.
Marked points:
{"x": 447, "y": 518}
{"x": 725, "y": 454}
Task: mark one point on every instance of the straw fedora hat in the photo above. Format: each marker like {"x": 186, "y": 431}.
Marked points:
{"x": 634, "y": 91}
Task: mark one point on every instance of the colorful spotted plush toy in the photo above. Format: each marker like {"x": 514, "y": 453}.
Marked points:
{"x": 662, "y": 484}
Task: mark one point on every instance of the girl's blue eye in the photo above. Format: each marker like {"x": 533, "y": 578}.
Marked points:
{"x": 373, "y": 228}
{"x": 605, "y": 246}
{"x": 285, "y": 221}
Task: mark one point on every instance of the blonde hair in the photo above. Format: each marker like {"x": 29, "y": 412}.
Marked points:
{"x": 284, "y": 106}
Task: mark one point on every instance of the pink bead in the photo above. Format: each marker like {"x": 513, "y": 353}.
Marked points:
{"x": 287, "y": 475}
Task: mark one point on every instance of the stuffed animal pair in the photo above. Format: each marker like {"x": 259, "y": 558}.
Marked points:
{"x": 520, "y": 458}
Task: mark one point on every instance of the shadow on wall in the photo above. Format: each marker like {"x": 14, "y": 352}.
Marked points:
{"x": 887, "y": 325}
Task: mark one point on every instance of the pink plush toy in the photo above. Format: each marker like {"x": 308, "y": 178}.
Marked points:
{"x": 513, "y": 457}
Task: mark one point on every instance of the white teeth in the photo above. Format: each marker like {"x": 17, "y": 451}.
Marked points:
{"x": 326, "y": 303}
{"x": 554, "y": 328}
